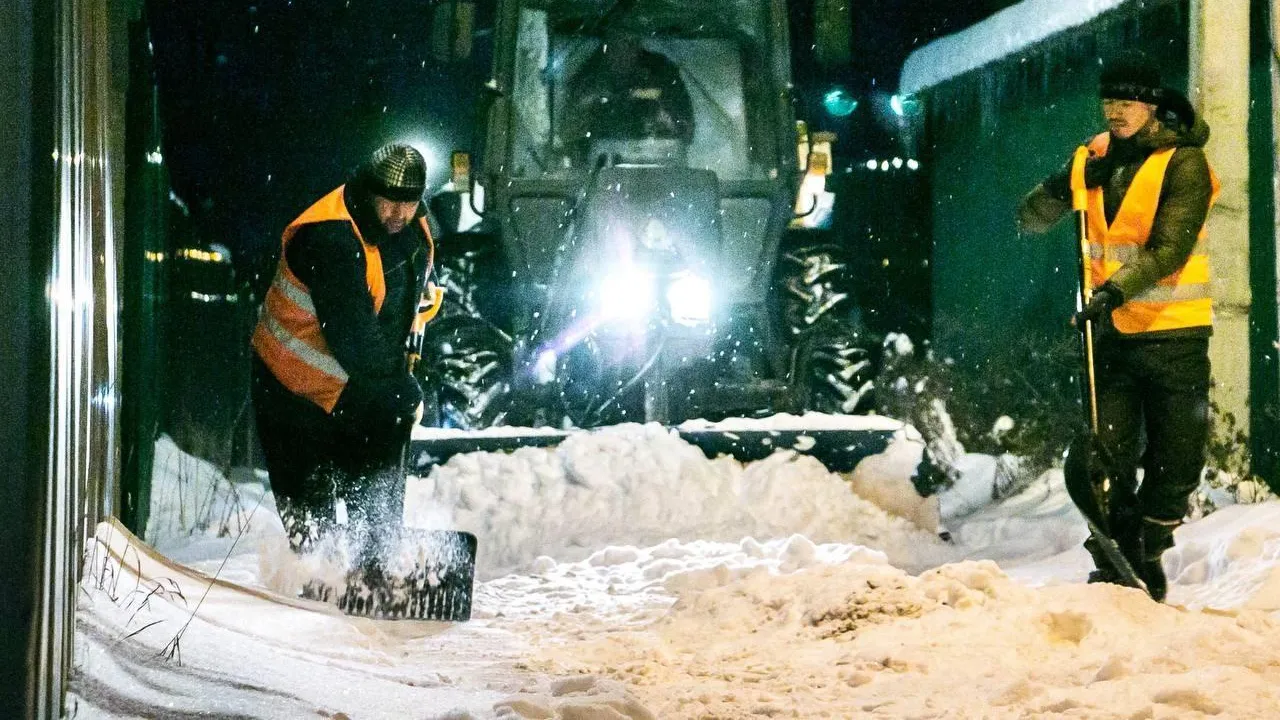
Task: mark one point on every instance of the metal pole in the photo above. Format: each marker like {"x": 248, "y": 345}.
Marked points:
{"x": 80, "y": 308}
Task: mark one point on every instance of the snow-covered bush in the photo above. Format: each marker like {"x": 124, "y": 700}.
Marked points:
{"x": 1024, "y": 403}
{"x": 192, "y": 497}
{"x": 1227, "y": 477}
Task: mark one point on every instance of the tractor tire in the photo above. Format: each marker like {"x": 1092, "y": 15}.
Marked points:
{"x": 466, "y": 373}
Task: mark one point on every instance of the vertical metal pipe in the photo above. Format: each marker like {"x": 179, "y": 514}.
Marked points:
{"x": 83, "y": 307}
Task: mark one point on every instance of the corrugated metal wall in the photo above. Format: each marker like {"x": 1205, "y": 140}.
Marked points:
{"x": 993, "y": 134}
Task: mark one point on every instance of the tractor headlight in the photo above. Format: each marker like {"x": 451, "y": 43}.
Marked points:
{"x": 689, "y": 297}
{"x": 626, "y": 294}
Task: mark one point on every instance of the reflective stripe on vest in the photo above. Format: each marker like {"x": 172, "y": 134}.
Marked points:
{"x": 1180, "y": 300}
{"x": 288, "y": 337}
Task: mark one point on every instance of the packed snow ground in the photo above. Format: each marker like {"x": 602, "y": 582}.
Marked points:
{"x": 626, "y": 576}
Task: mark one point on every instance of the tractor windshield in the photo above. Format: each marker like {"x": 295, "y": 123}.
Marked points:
{"x": 658, "y": 85}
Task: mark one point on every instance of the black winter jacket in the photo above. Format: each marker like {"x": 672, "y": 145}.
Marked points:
{"x": 329, "y": 260}
{"x": 369, "y": 345}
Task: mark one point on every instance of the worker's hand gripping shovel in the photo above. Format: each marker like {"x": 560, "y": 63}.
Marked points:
{"x": 1087, "y": 465}
{"x": 428, "y": 308}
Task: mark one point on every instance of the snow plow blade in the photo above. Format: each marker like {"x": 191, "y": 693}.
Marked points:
{"x": 430, "y": 576}
{"x": 839, "y": 450}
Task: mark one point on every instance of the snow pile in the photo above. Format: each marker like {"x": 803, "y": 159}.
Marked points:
{"x": 1004, "y": 33}
{"x": 778, "y": 626}
{"x": 858, "y": 637}
{"x": 640, "y": 485}
{"x": 886, "y": 480}
{"x": 623, "y": 584}
{"x": 1229, "y": 559}
{"x": 581, "y": 696}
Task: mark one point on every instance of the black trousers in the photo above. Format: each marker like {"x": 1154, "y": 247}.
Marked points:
{"x": 1153, "y": 413}
{"x": 314, "y": 458}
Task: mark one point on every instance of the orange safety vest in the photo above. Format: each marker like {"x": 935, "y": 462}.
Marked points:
{"x": 288, "y": 337}
{"x": 1180, "y": 300}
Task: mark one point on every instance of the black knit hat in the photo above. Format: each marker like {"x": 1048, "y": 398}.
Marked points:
{"x": 1131, "y": 77}
{"x": 395, "y": 172}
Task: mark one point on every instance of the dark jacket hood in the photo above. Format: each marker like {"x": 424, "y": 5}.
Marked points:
{"x": 1180, "y": 125}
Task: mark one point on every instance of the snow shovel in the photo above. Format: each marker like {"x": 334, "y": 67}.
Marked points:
{"x": 1087, "y": 464}
{"x": 430, "y": 578}
{"x": 413, "y": 574}
{"x": 419, "y": 575}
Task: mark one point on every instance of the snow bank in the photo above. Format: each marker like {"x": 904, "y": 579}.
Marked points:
{"x": 853, "y": 637}
{"x": 1004, "y": 33}
{"x": 640, "y": 485}
{"x": 708, "y": 627}
{"x": 885, "y": 479}
{"x": 1229, "y": 559}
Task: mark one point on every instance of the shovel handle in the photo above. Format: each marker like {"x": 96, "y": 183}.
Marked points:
{"x": 1080, "y": 206}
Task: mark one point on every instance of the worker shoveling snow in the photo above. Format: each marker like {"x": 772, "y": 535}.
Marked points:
{"x": 782, "y": 594}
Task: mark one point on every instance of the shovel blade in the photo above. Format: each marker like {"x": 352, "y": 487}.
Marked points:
{"x": 1084, "y": 471}
{"x": 429, "y": 576}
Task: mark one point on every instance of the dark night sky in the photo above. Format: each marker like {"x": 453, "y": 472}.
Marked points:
{"x": 267, "y": 105}
{"x": 891, "y": 29}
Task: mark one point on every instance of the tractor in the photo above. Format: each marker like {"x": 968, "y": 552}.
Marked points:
{"x": 636, "y": 250}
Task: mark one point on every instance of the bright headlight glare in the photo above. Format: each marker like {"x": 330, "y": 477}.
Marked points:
{"x": 626, "y": 294}
{"x": 544, "y": 370}
{"x": 689, "y": 296}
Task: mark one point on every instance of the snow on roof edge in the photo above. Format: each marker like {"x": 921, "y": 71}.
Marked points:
{"x": 1002, "y": 34}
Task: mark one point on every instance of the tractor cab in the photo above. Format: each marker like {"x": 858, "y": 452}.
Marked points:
{"x": 688, "y": 95}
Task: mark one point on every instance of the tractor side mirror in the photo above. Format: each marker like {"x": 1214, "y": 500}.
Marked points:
{"x": 456, "y": 206}
{"x": 813, "y": 201}
{"x": 461, "y": 177}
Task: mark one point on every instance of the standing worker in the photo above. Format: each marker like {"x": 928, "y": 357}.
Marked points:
{"x": 1149, "y": 190}
{"x": 333, "y": 393}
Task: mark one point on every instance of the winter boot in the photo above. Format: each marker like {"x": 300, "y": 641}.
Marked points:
{"x": 304, "y": 524}
{"x": 1155, "y": 537}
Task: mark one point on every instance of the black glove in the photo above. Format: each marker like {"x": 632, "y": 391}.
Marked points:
{"x": 1104, "y": 300}
{"x": 380, "y": 405}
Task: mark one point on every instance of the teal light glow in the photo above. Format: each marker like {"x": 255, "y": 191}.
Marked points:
{"x": 839, "y": 103}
